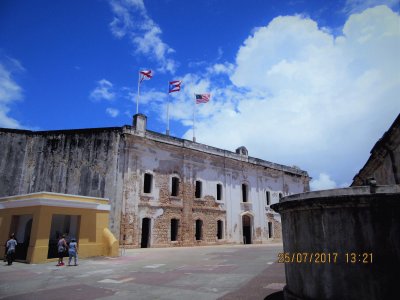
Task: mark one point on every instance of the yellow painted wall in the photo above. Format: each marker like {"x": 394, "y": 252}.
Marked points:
{"x": 94, "y": 238}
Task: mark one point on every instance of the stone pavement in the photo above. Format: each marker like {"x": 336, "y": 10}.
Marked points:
{"x": 211, "y": 272}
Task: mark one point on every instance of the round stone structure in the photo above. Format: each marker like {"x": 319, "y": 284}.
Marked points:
{"x": 342, "y": 243}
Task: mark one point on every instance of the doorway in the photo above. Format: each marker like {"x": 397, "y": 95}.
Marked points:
{"x": 246, "y": 222}
{"x": 145, "y": 242}
{"x": 21, "y": 226}
{"x": 67, "y": 225}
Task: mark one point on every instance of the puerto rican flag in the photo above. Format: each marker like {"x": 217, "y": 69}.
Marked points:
{"x": 202, "y": 98}
{"x": 175, "y": 86}
{"x": 145, "y": 75}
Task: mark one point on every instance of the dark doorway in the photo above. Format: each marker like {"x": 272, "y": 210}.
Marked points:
{"x": 21, "y": 226}
{"x": 246, "y": 221}
{"x": 174, "y": 229}
{"x": 268, "y": 197}
{"x": 199, "y": 230}
{"x": 67, "y": 225}
{"x": 270, "y": 229}
{"x": 220, "y": 228}
{"x": 145, "y": 233}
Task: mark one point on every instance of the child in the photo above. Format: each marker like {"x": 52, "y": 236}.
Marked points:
{"x": 73, "y": 252}
{"x": 11, "y": 244}
{"x": 61, "y": 247}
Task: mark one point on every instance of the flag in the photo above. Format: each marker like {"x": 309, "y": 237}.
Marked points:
{"x": 145, "y": 75}
{"x": 174, "y": 86}
{"x": 202, "y": 98}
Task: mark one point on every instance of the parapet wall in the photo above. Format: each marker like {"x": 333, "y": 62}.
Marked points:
{"x": 342, "y": 244}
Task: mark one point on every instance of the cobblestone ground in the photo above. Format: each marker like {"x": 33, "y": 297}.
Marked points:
{"x": 220, "y": 272}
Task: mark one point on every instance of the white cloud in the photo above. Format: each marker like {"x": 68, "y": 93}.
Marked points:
{"x": 303, "y": 96}
{"x": 131, "y": 19}
{"x": 10, "y": 91}
{"x": 356, "y": 6}
{"x": 113, "y": 112}
{"x": 103, "y": 91}
{"x": 324, "y": 182}
{"x": 225, "y": 68}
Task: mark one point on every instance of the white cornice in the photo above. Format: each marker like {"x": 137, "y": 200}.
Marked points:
{"x": 52, "y": 202}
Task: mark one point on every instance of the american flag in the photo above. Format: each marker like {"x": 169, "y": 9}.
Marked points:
{"x": 202, "y": 98}
{"x": 145, "y": 75}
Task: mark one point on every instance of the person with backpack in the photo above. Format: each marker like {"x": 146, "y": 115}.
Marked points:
{"x": 61, "y": 248}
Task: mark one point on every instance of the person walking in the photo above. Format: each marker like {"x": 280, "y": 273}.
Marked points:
{"x": 11, "y": 244}
{"x": 73, "y": 252}
{"x": 61, "y": 247}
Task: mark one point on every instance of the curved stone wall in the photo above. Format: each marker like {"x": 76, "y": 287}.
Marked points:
{"x": 341, "y": 244}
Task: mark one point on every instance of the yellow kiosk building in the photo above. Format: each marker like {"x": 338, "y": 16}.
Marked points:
{"x": 38, "y": 219}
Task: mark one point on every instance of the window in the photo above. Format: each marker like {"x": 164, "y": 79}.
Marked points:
{"x": 219, "y": 191}
{"x": 199, "y": 230}
{"x": 174, "y": 229}
{"x": 270, "y": 229}
{"x": 175, "y": 186}
{"x": 244, "y": 192}
{"x": 198, "y": 189}
{"x": 148, "y": 178}
{"x": 280, "y": 196}
{"x": 268, "y": 197}
{"x": 220, "y": 229}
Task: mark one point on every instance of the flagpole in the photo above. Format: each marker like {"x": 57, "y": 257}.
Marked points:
{"x": 194, "y": 110}
{"x": 168, "y": 111}
{"x": 138, "y": 94}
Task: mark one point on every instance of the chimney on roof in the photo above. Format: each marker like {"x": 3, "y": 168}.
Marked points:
{"x": 140, "y": 123}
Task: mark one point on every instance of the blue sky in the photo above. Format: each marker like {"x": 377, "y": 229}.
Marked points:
{"x": 307, "y": 83}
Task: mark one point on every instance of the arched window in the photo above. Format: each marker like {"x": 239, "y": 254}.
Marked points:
{"x": 245, "y": 192}
{"x": 147, "y": 183}
{"x": 198, "y": 189}
{"x": 219, "y": 191}
{"x": 268, "y": 197}
{"x": 174, "y": 186}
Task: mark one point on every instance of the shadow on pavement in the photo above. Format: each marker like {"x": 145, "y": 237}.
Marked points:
{"x": 275, "y": 296}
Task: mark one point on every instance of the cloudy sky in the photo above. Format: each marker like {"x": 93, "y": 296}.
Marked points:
{"x": 308, "y": 83}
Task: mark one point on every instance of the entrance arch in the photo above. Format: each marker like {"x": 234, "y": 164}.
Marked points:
{"x": 247, "y": 229}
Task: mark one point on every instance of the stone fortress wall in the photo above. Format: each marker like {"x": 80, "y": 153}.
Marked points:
{"x": 383, "y": 164}
{"x": 151, "y": 179}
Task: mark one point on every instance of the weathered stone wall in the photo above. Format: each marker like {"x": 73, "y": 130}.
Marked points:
{"x": 384, "y": 162}
{"x": 12, "y": 152}
{"x": 78, "y": 162}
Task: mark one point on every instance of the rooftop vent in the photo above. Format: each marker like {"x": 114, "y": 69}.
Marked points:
{"x": 242, "y": 151}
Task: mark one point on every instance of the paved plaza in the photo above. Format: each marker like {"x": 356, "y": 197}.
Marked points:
{"x": 212, "y": 272}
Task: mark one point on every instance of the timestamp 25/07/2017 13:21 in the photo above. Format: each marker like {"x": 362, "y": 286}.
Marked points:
{"x": 325, "y": 257}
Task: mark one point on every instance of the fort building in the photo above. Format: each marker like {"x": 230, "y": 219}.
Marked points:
{"x": 163, "y": 191}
